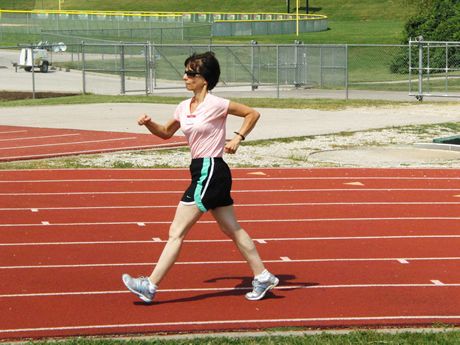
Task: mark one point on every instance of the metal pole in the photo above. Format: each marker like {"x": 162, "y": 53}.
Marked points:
{"x": 346, "y": 72}
{"x": 447, "y": 68}
{"x": 297, "y": 18}
{"x": 33, "y": 74}
{"x": 277, "y": 71}
{"x": 122, "y": 69}
{"x": 146, "y": 57}
{"x": 83, "y": 73}
{"x": 420, "y": 67}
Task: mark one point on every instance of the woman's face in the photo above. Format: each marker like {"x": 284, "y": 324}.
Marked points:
{"x": 193, "y": 80}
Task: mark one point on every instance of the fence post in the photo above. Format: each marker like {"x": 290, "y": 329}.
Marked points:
{"x": 277, "y": 71}
{"x": 122, "y": 69}
{"x": 346, "y": 72}
{"x": 33, "y": 73}
{"x": 420, "y": 68}
{"x": 253, "y": 68}
{"x": 146, "y": 57}
{"x": 83, "y": 67}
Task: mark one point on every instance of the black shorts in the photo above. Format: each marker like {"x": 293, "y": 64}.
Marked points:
{"x": 211, "y": 184}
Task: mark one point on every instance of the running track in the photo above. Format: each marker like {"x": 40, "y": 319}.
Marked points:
{"x": 352, "y": 247}
{"x": 18, "y": 143}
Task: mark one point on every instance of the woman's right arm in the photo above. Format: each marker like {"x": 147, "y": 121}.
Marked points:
{"x": 163, "y": 131}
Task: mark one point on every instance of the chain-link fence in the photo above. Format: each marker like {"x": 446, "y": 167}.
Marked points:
{"x": 147, "y": 68}
{"x": 436, "y": 67}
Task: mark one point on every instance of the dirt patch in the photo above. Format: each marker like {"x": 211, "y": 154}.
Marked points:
{"x": 17, "y": 95}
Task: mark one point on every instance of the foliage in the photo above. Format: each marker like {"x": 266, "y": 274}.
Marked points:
{"x": 435, "y": 21}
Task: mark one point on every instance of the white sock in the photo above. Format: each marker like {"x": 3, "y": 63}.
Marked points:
{"x": 152, "y": 287}
{"x": 263, "y": 277}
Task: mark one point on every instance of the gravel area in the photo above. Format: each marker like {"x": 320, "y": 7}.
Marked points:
{"x": 297, "y": 152}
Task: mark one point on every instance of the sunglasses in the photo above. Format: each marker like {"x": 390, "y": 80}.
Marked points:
{"x": 191, "y": 74}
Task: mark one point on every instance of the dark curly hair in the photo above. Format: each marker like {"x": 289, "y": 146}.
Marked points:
{"x": 207, "y": 65}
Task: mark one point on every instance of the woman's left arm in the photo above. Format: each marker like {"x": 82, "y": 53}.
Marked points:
{"x": 250, "y": 115}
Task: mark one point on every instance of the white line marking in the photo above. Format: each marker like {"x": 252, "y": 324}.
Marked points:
{"x": 287, "y": 287}
{"x": 438, "y": 283}
{"x": 42, "y": 137}
{"x": 300, "y": 220}
{"x": 403, "y": 261}
{"x": 225, "y": 322}
{"x": 258, "y": 240}
{"x": 10, "y": 132}
{"x": 98, "y": 150}
{"x": 235, "y": 262}
{"x": 234, "y": 179}
{"x": 240, "y": 205}
{"x": 257, "y": 191}
{"x": 70, "y": 143}
{"x": 354, "y": 183}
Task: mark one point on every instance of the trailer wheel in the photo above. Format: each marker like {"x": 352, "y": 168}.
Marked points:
{"x": 28, "y": 69}
{"x": 44, "y": 67}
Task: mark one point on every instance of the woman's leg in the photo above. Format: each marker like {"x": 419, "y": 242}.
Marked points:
{"x": 225, "y": 217}
{"x": 186, "y": 216}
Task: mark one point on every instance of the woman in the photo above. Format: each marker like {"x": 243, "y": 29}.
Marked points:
{"x": 202, "y": 119}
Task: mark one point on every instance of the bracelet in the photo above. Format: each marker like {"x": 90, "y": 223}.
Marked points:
{"x": 241, "y": 135}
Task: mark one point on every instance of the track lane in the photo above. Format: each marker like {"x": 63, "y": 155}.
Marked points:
{"x": 171, "y": 198}
{"x": 325, "y": 300}
{"x": 295, "y": 275}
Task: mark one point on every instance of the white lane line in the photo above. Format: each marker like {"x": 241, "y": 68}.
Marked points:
{"x": 121, "y": 207}
{"x": 431, "y": 318}
{"x": 258, "y": 191}
{"x": 296, "y": 220}
{"x": 70, "y": 143}
{"x": 258, "y": 240}
{"x": 234, "y": 262}
{"x": 438, "y": 283}
{"x": 208, "y": 289}
{"x": 134, "y": 179}
{"x": 11, "y": 132}
{"x": 98, "y": 150}
{"x": 42, "y": 137}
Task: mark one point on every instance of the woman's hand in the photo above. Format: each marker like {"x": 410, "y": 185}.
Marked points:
{"x": 232, "y": 145}
{"x": 143, "y": 120}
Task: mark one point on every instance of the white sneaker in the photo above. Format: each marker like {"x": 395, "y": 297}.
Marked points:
{"x": 261, "y": 288}
{"x": 141, "y": 287}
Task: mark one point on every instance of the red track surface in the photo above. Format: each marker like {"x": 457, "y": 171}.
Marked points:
{"x": 352, "y": 247}
{"x": 17, "y": 143}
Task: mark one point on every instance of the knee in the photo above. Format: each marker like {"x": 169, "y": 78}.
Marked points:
{"x": 176, "y": 234}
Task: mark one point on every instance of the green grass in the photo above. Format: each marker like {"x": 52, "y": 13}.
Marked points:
{"x": 363, "y": 21}
{"x": 352, "y": 338}
{"x": 282, "y": 103}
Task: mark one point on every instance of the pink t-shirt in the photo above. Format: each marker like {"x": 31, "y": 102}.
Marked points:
{"x": 205, "y": 128}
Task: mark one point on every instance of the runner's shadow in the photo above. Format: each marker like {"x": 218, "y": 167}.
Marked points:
{"x": 287, "y": 282}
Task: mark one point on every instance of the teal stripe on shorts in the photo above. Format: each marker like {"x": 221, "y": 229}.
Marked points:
{"x": 199, "y": 187}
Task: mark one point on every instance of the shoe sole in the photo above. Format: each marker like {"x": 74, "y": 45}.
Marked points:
{"x": 262, "y": 295}
{"x": 141, "y": 296}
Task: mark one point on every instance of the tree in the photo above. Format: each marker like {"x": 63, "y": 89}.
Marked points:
{"x": 437, "y": 20}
